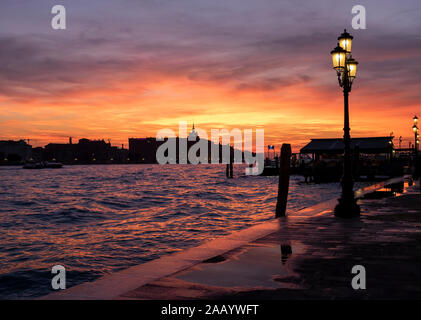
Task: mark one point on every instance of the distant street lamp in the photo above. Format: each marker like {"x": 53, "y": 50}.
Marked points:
{"x": 417, "y": 141}
{"x": 346, "y": 69}
{"x": 415, "y": 129}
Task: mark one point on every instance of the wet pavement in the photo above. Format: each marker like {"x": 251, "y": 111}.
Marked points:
{"x": 312, "y": 258}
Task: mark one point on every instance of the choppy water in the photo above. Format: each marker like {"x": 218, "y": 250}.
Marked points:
{"x": 96, "y": 220}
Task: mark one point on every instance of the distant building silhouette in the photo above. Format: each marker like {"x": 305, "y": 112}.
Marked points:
{"x": 85, "y": 152}
{"x": 143, "y": 150}
{"x": 372, "y": 156}
{"x": 14, "y": 151}
{"x": 380, "y": 146}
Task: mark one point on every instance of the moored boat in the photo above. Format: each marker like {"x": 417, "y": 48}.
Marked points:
{"x": 43, "y": 165}
{"x": 33, "y": 165}
{"x": 53, "y": 165}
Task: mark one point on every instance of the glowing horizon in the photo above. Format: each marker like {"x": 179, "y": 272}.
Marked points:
{"x": 225, "y": 64}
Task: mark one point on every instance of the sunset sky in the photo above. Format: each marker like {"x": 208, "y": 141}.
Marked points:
{"x": 128, "y": 68}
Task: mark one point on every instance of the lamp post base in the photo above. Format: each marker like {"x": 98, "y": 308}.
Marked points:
{"x": 347, "y": 209}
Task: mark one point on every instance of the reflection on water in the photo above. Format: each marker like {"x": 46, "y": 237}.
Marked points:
{"x": 392, "y": 190}
{"x": 99, "y": 219}
{"x": 257, "y": 266}
{"x": 286, "y": 252}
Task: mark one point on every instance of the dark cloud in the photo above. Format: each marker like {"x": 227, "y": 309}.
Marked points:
{"x": 246, "y": 45}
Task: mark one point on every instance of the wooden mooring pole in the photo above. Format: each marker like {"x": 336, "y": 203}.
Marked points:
{"x": 230, "y": 169}
{"x": 231, "y": 166}
{"x": 284, "y": 172}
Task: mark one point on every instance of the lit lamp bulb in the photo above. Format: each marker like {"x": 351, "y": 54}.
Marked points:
{"x": 415, "y": 128}
{"x": 345, "y": 41}
{"x": 351, "y": 66}
{"x": 338, "y": 58}
{"x": 415, "y": 120}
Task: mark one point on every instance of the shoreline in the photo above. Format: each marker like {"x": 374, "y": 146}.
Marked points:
{"x": 114, "y": 285}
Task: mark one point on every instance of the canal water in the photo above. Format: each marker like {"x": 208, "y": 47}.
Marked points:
{"x": 99, "y": 219}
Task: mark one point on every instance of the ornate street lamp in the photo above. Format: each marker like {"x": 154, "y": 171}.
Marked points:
{"x": 415, "y": 129}
{"x": 416, "y": 145}
{"x": 346, "y": 69}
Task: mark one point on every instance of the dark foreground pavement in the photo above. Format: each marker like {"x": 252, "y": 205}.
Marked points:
{"x": 312, "y": 258}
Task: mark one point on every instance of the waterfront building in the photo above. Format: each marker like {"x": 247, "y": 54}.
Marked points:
{"x": 14, "y": 151}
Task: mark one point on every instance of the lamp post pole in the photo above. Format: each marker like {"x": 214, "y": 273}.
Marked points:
{"x": 417, "y": 173}
{"x": 347, "y": 206}
{"x": 415, "y": 129}
{"x": 346, "y": 68}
